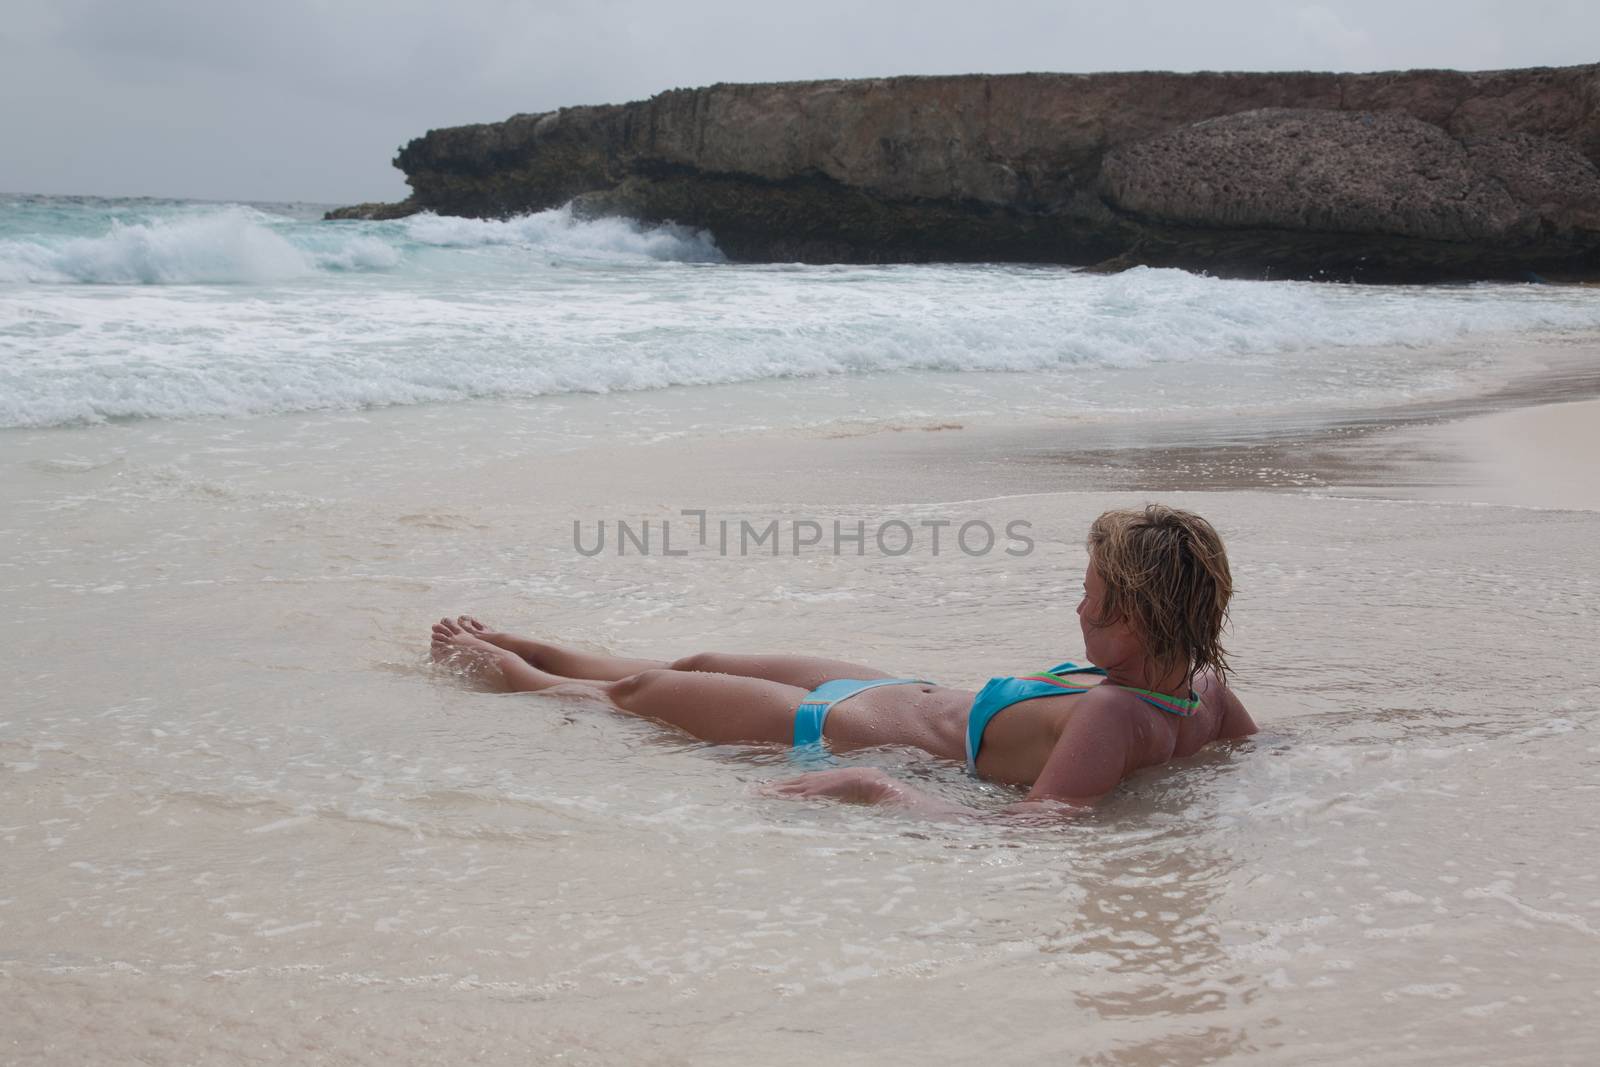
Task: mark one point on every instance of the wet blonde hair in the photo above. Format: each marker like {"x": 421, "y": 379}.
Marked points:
{"x": 1166, "y": 572}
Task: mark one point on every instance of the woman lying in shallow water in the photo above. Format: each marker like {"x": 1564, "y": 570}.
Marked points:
{"x": 1155, "y": 596}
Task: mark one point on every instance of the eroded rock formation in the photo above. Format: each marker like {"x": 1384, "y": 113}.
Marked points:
{"x": 1418, "y": 175}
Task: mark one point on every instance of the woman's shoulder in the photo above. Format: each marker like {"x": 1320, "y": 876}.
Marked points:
{"x": 1214, "y": 691}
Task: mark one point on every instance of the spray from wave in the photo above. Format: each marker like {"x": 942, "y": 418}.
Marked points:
{"x": 559, "y": 231}
{"x": 228, "y": 246}
{"x": 238, "y": 245}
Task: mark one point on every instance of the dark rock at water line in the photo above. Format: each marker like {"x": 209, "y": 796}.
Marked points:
{"x": 374, "y": 211}
{"x": 1411, "y": 176}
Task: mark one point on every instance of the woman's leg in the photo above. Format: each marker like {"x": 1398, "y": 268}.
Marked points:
{"x": 494, "y": 666}
{"x": 808, "y": 672}
{"x": 557, "y": 659}
{"x": 721, "y": 708}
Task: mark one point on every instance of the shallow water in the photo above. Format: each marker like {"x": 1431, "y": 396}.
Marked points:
{"x": 245, "y": 818}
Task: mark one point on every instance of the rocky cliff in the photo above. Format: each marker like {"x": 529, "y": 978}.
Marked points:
{"x": 1410, "y": 176}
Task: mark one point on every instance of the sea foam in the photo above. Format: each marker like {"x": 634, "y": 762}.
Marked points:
{"x": 560, "y": 231}
{"x": 231, "y": 245}
{"x": 319, "y": 316}
{"x": 238, "y": 245}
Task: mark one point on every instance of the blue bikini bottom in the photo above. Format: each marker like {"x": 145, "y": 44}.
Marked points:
{"x": 813, "y": 710}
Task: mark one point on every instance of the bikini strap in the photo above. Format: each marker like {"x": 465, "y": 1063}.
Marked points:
{"x": 1161, "y": 701}
{"x": 1070, "y": 667}
{"x": 1170, "y": 704}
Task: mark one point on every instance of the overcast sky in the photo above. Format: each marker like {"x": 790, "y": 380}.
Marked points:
{"x": 308, "y": 99}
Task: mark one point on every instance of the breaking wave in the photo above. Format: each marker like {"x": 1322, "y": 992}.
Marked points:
{"x": 238, "y": 245}
{"x": 559, "y": 231}
{"x": 208, "y": 310}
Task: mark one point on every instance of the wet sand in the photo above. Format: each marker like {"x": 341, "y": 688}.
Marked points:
{"x": 1541, "y": 457}
{"x": 245, "y": 820}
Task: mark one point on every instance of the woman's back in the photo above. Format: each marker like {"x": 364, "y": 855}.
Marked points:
{"x": 1019, "y": 741}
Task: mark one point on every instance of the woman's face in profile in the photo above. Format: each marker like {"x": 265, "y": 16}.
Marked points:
{"x": 1106, "y": 644}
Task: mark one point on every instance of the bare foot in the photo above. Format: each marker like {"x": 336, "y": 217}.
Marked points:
{"x": 454, "y": 647}
{"x": 556, "y": 659}
{"x": 519, "y": 646}
{"x": 477, "y": 629}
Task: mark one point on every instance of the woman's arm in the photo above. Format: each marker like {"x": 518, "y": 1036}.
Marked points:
{"x": 1236, "y": 721}
{"x": 869, "y": 785}
{"x": 1092, "y": 756}
{"x": 864, "y": 785}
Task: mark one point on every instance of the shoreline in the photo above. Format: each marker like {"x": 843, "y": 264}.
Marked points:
{"x": 1533, "y": 457}
{"x": 1467, "y": 439}
{"x": 1470, "y": 447}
